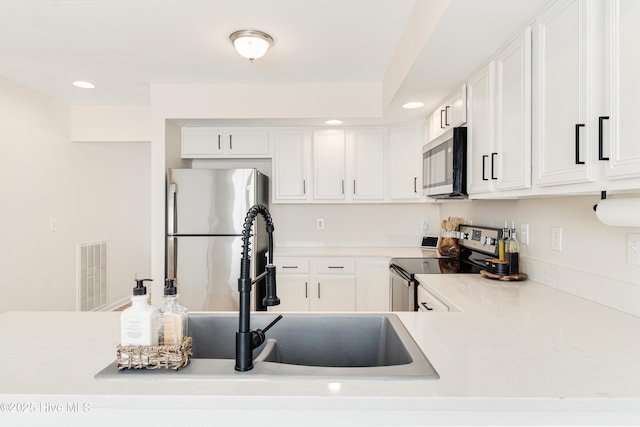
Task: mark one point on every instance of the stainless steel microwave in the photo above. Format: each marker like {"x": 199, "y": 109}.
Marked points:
{"x": 444, "y": 165}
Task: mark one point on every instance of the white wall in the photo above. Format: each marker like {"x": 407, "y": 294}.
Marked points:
{"x": 593, "y": 261}
{"x": 95, "y": 191}
{"x": 353, "y": 224}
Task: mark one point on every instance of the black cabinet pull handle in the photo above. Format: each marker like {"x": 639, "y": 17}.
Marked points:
{"x": 415, "y": 184}
{"x": 219, "y": 142}
{"x": 230, "y": 142}
{"x": 601, "y": 156}
{"x": 578, "y": 126}
{"x": 493, "y": 156}
{"x": 446, "y": 116}
{"x": 441, "y": 114}
{"x": 484, "y": 157}
{"x": 424, "y": 304}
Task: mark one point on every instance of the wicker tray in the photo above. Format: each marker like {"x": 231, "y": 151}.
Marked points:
{"x": 154, "y": 356}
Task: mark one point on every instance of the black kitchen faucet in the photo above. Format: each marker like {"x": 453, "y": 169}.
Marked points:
{"x": 246, "y": 339}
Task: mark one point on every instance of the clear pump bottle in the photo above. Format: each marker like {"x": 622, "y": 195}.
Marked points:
{"x": 172, "y": 327}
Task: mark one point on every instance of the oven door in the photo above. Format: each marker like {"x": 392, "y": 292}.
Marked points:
{"x": 403, "y": 289}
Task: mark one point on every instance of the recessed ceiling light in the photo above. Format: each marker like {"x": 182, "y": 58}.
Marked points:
{"x": 333, "y": 122}
{"x": 413, "y": 104}
{"x": 84, "y": 85}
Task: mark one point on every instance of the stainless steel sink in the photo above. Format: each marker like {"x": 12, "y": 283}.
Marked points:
{"x": 320, "y": 346}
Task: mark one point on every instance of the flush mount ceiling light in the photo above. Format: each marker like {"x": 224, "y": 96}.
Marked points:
{"x": 251, "y": 44}
{"x": 333, "y": 122}
{"x": 84, "y": 85}
{"x": 413, "y": 104}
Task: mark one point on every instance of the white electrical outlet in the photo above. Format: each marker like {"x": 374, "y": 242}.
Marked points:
{"x": 633, "y": 249}
{"x": 320, "y": 223}
{"x": 53, "y": 224}
{"x": 425, "y": 224}
{"x": 524, "y": 234}
{"x": 556, "y": 239}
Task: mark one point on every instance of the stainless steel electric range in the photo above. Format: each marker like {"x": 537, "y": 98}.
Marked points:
{"x": 477, "y": 243}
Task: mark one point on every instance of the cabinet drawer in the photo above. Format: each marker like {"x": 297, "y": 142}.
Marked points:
{"x": 292, "y": 265}
{"x": 335, "y": 266}
{"x": 429, "y": 302}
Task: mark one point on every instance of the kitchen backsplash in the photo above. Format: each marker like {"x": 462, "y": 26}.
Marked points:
{"x": 353, "y": 224}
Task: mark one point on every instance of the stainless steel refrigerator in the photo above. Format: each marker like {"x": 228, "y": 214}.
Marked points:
{"x": 206, "y": 209}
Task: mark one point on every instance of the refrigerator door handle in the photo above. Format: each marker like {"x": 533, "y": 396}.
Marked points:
{"x": 171, "y": 211}
{"x": 172, "y": 257}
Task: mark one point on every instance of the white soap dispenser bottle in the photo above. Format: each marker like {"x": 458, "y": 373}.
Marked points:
{"x": 138, "y": 323}
{"x": 172, "y": 327}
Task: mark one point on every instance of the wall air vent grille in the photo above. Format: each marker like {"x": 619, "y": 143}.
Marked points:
{"x": 92, "y": 276}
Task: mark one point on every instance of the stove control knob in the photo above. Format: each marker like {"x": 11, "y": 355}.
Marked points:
{"x": 488, "y": 241}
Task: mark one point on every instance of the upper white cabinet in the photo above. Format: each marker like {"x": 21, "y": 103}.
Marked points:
{"x": 367, "y": 154}
{"x": 499, "y": 120}
{"x": 292, "y": 166}
{"x": 566, "y": 93}
{"x": 348, "y": 165}
{"x": 481, "y": 159}
{"x": 329, "y": 161}
{"x": 405, "y": 161}
{"x": 452, "y": 113}
{"x": 619, "y": 150}
{"x": 207, "y": 142}
{"x": 513, "y": 114}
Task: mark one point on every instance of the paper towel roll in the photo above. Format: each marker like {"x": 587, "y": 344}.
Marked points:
{"x": 619, "y": 212}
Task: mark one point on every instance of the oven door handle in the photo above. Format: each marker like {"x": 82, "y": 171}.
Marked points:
{"x": 399, "y": 271}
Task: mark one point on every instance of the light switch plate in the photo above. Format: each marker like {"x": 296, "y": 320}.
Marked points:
{"x": 556, "y": 239}
{"x": 633, "y": 249}
{"x": 524, "y": 234}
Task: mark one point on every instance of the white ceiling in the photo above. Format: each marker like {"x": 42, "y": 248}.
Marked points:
{"x": 124, "y": 45}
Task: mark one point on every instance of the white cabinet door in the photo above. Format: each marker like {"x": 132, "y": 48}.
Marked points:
{"x": 333, "y": 293}
{"x": 620, "y": 149}
{"x": 456, "y": 108}
{"x": 329, "y": 158}
{"x": 405, "y": 161}
{"x": 452, "y": 113}
{"x": 201, "y": 142}
{"x": 367, "y": 164}
{"x": 481, "y": 160}
{"x": 247, "y": 142}
{"x": 208, "y": 142}
{"x": 291, "y": 165}
{"x": 565, "y": 129}
{"x": 293, "y": 292}
{"x": 438, "y": 126}
{"x": 513, "y": 114}
{"x": 372, "y": 285}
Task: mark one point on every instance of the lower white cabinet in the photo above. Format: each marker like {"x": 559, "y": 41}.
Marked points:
{"x": 316, "y": 284}
{"x": 372, "y": 285}
{"x": 332, "y": 284}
